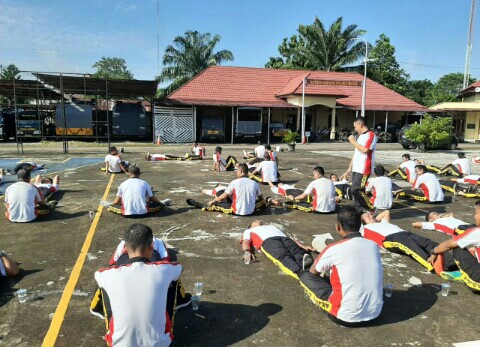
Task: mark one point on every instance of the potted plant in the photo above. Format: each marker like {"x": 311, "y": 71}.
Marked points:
{"x": 289, "y": 138}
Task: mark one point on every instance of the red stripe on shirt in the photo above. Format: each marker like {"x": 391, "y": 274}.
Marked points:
{"x": 424, "y": 189}
{"x": 444, "y": 229}
{"x": 368, "y": 163}
{"x": 465, "y": 233}
{"x": 315, "y": 200}
{"x": 234, "y": 201}
{"x": 256, "y": 240}
{"x": 109, "y": 334}
{"x": 336, "y": 297}
{"x": 373, "y": 236}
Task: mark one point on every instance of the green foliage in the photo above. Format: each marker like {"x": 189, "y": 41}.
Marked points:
{"x": 10, "y": 72}
{"x": 316, "y": 48}
{"x": 433, "y": 132}
{"x": 189, "y": 55}
{"x": 384, "y": 68}
{"x": 290, "y": 136}
{"x": 419, "y": 91}
{"x": 112, "y": 68}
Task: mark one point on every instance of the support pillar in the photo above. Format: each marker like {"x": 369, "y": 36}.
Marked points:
{"x": 333, "y": 130}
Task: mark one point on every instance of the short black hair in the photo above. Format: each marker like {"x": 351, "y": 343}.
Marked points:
{"x": 461, "y": 155}
{"x": 268, "y": 147}
{"x": 477, "y": 203}
{"x": 23, "y": 175}
{"x": 360, "y": 120}
{"x": 112, "y": 149}
{"x": 349, "y": 219}
{"x": 319, "y": 170}
{"x": 47, "y": 180}
{"x": 243, "y": 169}
{"x": 138, "y": 236}
{"x": 334, "y": 174}
{"x": 421, "y": 167}
{"x": 134, "y": 170}
{"x": 427, "y": 216}
{"x": 406, "y": 155}
{"x": 379, "y": 170}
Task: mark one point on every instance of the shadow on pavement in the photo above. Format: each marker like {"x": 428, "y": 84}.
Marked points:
{"x": 216, "y": 324}
{"x": 7, "y": 284}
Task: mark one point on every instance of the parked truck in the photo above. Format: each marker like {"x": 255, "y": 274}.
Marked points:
{"x": 249, "y": 124}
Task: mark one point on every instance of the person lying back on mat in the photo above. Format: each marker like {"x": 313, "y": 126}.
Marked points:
{"x": 47, "y": 186}
{"x": 443, "y": 222}
{"x": 343, "y": 189}
{"x": 29, "y": 165}
{"x": 288, "y": 253}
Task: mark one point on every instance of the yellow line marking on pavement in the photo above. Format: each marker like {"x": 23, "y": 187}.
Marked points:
{"x": 59, "y": 314}
{"x": 414, "y": 207}
{"x": 66, "y": 160}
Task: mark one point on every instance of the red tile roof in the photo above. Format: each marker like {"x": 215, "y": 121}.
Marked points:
{"x": 241, "y": 86}
{"x": 470, "y": 88}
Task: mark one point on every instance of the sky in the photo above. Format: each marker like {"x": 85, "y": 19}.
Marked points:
{"x": 430, "y": 36}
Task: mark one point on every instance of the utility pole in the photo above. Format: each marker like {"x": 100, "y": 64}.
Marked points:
{"x": 466, "y": 73}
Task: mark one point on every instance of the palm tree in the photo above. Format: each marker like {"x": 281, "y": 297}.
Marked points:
{"x": 189, "y": 55}
{"x": 318, "y": 49}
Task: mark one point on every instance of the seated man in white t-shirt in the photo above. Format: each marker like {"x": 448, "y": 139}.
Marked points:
{"x": 425, "y": 189}
{"x": 135, "y": 197}
{"x": 47, "y": 186}
{"x": 459, "y": 167}
{"x": 444, "y": 222}
{"x": 290, "y": 255}
{"x": 198, "y": 150}
{"x": 466, "y": 252}
{"x": 381, "y": 189}
{"x": 138, "y": 297}
{"x": 397, "y": 240}
{"x": 114, "y": 163}
{"x": 266, "y": 171}
{"x": 24, "y": 202}
{"x": 351, "y": 291}
{"x": 256, "y": 156}
{"x": 8, "y": 267}
{"x": 467, "y": 186}
{"x": 406, "y": 169}
{"x": 271, "y": 153}
{"x": 244, "y": 193}
{"x": 321, "y": 191}
{"x": 220, "y": 164}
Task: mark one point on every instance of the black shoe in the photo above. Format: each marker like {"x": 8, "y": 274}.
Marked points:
{"x": 307, "y": 261}
{"x": 194, "y": 203}
{"x": 183, "y": 301}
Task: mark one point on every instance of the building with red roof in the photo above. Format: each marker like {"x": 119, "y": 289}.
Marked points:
{"x": 331, "y": 100}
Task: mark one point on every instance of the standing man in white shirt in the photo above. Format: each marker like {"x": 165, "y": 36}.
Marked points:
{"x": 459, "y": 167}
{"x": 426, "y": 187}
{"x": 114, "y": 163}
{"x": 139, "y": 297}
{"x": 244, "y": 193}
{"x": 406, "y": 170}
{"x": 352, "y": 294}
{"x": 266, "y": 171}
{"x": 322, "y": 192}
{"x": 361, "y": 165}
{"x": 23, "y": 200}
{"x": 381, "y": 189}
{"x": 135, "y": 197}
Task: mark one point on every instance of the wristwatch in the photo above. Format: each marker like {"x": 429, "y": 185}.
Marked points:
{"x": 432, "y": 251}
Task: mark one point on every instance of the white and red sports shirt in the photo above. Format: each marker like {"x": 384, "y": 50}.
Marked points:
{"x": 21, "y": 200}
{"x": 198, "y": 150}
{"x": 217, "y": 157}
{"x": 260, "y": 151}
{"x": 158, "y": 245}
{"x": 472, "y": 179}
{"x": 52, "y": 187}
{"x": 137, "y": 294}
{"x": 260, "y": 233}
{"x": 463, "y": 165}
{"x": 363, "y": 162}
{"x": 273, "y": 155}
{"x": 113, "y": 162}
{"x": 356, "y": 276}
{"x": 322, "y": 191}
{"x": 381, "y": 188}
{"x": 470, "y": 237}
{"x": 268, "y": 170}
{"x": 409, "y": 167}
{"x": 282, "y": 190}
{"x": 430, "y": 186}
{"x": 134, "y": 192}
{"x": 377, "y": 232}
{"x": 446, "y": 225}
{"x": 243, "y": 192}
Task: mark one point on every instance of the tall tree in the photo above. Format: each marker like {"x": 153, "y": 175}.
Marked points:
{"x": 419, "y": 91}
{"x": 10, "y": 72}
{"x": 384, "y": 67}
{"x": 113, "y": 68}
{"x": 316, "y": 48}
{"x": 189, "y": 55}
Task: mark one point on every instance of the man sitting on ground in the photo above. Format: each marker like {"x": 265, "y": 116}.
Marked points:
{"x": 114, "y": 163}
{"x": 444, "y": 222}
{"x": 135, "y": 197}
{"x": 47, "y": 186}
{"x": 146, "y": 318}
{"x": 290, "y": 255}
{"x": 8, "y": 267}
{"x": 466, "y": 252}
{"x": 351, "y": 291}
{"x": 426, "y": 187}
{"x": 220, "y": 164}
{"x": 343, "y": 189}
{"x": 268, "y": 170}
{"x": 406, "y": 170}
{"x": 467, "y": 186}
{"x": 256, "y": 156}
{"x": 397, "y": 240}
{"x": 322, "y": 192}
{"x": 381, "y": 189}
{"x": 458, "y": 167}
{"x": 272, "y": 154}
{"x": 245, "y": 195}
{"x": 198, "y": 150}
{"x": 23, "y": 200}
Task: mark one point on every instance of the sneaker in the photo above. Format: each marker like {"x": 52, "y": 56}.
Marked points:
{"x": 307, "y": 261}
{"x": 148, "y": 156}
{"x": 52, "y": 203}
{"x": 132, "y": 165}
{"x": 2, "y": 172}
{"x": 194, "y": 203}
{"x": 183, "y": 301}
{"x": 454, "y": 276}
{"x": 166, "y": 202}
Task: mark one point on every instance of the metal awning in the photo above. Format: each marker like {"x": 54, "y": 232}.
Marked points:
{"x": 26, "y": 89}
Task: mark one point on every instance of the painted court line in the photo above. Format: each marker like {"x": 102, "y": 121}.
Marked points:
{"x": 59, "y": 314}
{"x": 66, "y": 160}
